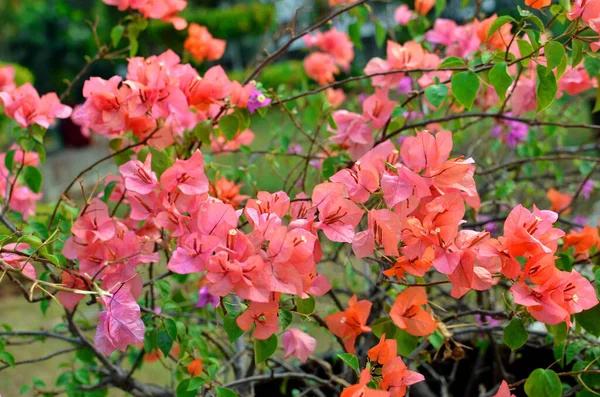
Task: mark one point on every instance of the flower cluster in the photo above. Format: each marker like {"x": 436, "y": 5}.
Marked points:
{"x": 202, "y": 45}
{"x": 159, "y": 100}
{"x": 336, "y": 50}
{"x": 165, "y": 10}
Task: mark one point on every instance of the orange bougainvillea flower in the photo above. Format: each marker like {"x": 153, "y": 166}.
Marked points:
{"x": 195, "y": 367}
{"x": 384, "y": 351}
{"x": 361, "y": 389}
{"x": 424, "y": 6}
{"x": 582, "y": 241}
{"x": 396, "y": 377}
{"x": 408, "y": 314}
{"x": 560, "y": 202}
{"x": 202, "y": 45}
{"x": 538, "y": 3}
{"x": 351, "y": 322}
{"x": 416, "y": 266}
{"x": 228, "y": 192}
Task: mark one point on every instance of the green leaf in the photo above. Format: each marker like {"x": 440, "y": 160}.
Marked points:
{"x": 543, "y": 383}
{"x": 436, "y": 94}
{"x": 592, "y": 65}
{"x": 577, "y": 54}
{"x": 9, "y": 159}
{"x": 351, "y": 360}
{"x": 464, "y": 87}
{"x": 182, "y": 389}
{"x": 525, "y": 49}
{"x": 164, "y": 342}
{"x": 202, "y": 131}
{"x": 33, "y": 178}
{"x": 380, "y": 35}
{"x": 537, "y": 22}
{"x": 229, "y": 126}
{"x": 7, "y": 358}
{"x": 160, "y": 161}
{"x": 196, "y": 383}
{"x": 224, "y": 392}
{"x": 588, "y": 319}
{"x": 500, "y": 79}
{"x": 24, "y": 389}
{"x": 515, "y": 334}
{"x": 573, "y": 350}
{"x": 440, "y": 5}
{"x": 452, "y": 62}
{"x": 264, "y": 349}
{"x": 171, "y": 327}
{"x": 554, "y": 52}
{"x": 164, "y": 287}
{"x": 115, "y": 35}
{"x": 354, "y": 33}
{"x": 305, "y": 306}
{"x": 545, "y": 88}
{"x": 231, "y": 327}
{"x": 498, "y": 23}
{"x": 285, "y": 319}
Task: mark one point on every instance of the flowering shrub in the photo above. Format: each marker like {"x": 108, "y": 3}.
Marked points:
{"x": 408, "y": 231}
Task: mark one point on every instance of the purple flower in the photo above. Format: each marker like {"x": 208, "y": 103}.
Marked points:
{"x": 580, "y": 220}
{"x": 295, "y": 149}
{"x": 362, "y": 97}
{"x": 587, "y": 188}
{"x": 205, "y": 298}
{"x": 510, "y": 132}
{"x": 405, "y": 85}
{"x": 257, "y": 100}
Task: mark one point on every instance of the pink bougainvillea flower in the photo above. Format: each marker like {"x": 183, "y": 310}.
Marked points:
{"x": 361, "y": 389}
{"x": 361, "y": 180}
{"x": 403, "y": 15}
{"x": 335, "y": 97}
{"x": 120, "y": 325}
{"x": 192, "y": 255}
{"x": 335, "y": 43}
{"x": 408, "y": 314}
{"x": 18, "y": 261}
{"x": 352, "y": 133}
{"x": 352, "y": 322}
{"x": 139, "y": 176}
{"x": 69, "y": 299}
{"x": 384, "y": 351}
{"x": 211, "y": 89}
{"x": 338, "y": 218}
{"x": 95, "y": 223}
{"x": 26, "y": 107}
{"x": 378, "y": 108}
{"x": 321, "y": 67}
{"x": 298, "y": 344}
{"x": 396, "y": 377}
{"x": 586, "y": 9}
{"x": 384, "y": 230}
{"x": 540, "y": 269}
{"x": 239, "y": 269}
{"x": 575, "y": 81}
{"x": 407, "y": 56}
{"x": 201, "y": 44}
{"x": 504, "y": 390}
{"x": 555, "y": 301}
{"x": 186, "y": 175}
{"x": 7, "y": 78}
{"x": 530, "y": 233}
{"x": 263, "y": 315}
{"x": 523, "y": 97}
